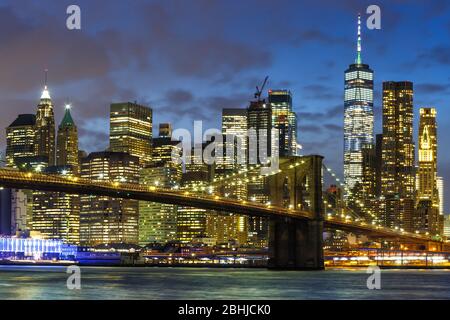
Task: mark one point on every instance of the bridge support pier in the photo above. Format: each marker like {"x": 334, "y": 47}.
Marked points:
{"x": 295, "y": 244}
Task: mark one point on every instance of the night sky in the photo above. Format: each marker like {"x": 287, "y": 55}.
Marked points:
{"x": 188, "y": 59}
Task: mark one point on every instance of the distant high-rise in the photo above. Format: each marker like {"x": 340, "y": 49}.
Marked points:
{"x": 20, "y": 137}
{"x": 358, "y": 117}
{"x": 234, "y": 132}
{"x": 131, "y": 130}
{"x": 191, "y": 222}
{"x": 45, "y": 128}
{"x": 398, "y": 172}
{"x": 440, "y": 187}
{"x": 158, "y": 221}
{"x": 284, "y": 120}
{"x": 427, "y": 212}
{"x": 67, "y": 143}
{"x": 106, "y": 219}
{"x": 259, "y": 123}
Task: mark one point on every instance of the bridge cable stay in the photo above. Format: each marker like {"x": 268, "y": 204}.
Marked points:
{"x": 357, "y": 202}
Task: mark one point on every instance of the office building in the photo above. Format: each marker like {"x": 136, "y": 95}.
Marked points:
{"x": 105, "y": 219}
{"x": 131, "y": 130}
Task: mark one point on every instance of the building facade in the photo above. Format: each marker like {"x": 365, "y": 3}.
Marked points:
{"x": 285, "y": 121}
{"x": 131, "y": 130}
{"x": 427, "y": 217}
{"x": 398, "y": 171}
{"x": 104, "y": 219}
{"x": 20, "y": 139}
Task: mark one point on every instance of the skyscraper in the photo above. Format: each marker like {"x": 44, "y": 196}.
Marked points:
{"x": 234, "y": 132}
{"x": 67, "y": 143}
{"x": 191, "y": 222}
{"x": 131, "y": 130}
{"x": 158, "y": 221}
{"x": 106, "y": 219}
{"x": 427, "y": 210}
{"x": 45, "y": 128}
{"x": 440, "y": 187}
{"x": 358, "y": 117}
{"x": 398, "y": 173}
{"x": 284, "y": 120}
{"x": 20, "y": 137}
{"x": 56, "y": 215}
{"x": 259, "y": 123}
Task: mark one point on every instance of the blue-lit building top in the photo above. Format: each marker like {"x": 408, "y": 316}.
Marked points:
{"x": 358, "y": 116}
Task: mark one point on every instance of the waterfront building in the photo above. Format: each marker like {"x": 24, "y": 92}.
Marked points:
{"x": 56, "y": 215}
{"x": 358, "y": 117}
{"x": 105, "y": 219}
{"x": 398, "y": 172}
{"x": 191, "y": 222}
{"x": 158, "y": 221}
{"x": 131, "y": 130}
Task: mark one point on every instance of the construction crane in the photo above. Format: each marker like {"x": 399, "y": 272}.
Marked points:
{"x": 259, "y": 91}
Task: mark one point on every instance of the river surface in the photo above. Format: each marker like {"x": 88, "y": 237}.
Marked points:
{"x": 42, "y": 282}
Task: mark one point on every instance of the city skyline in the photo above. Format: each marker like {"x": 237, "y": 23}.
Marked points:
{"x": 317, "y": 130}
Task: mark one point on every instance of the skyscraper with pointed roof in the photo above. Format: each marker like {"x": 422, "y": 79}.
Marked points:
{"x": 358, "y": 117}
{"x": 45, "y": 127}
{"x": 67, "y": 142}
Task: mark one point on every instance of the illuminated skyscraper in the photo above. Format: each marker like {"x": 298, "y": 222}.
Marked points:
{"x": 56, "y": 215}
{"x": 158, "y": 221}
{"x": 106, "y": 219}
{"x": 20, "y": 137}
{"x": 440, "y": 187}
{"x": 131, "y": 130}
{"x": 67, "y": 143}
{"x": 45, "y": 128}
{"x": 234, "y": 131}
{"x": 398, "y": 172}
{"x": 285, "y": 121}
{"x": 358, "y": 117}
{"x": 191, "y": 222}
{"x": 427, "y": 211}
{"x": 259, "y": 123}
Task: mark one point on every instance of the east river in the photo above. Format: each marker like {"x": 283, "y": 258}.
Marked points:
{"x": 42, "y": 282}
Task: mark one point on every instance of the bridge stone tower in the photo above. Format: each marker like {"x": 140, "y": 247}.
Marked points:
{"x": 295, "y": 243}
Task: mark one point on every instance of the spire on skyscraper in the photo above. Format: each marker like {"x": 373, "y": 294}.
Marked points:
{"x": 45, "y": 93}
{"x": 358, "y": 47}
{"x": 67, "y": 119}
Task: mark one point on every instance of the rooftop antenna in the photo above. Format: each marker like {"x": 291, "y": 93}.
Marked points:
{"x": 358, "y": 46}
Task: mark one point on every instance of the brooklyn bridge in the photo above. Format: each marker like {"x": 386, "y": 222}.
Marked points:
{"x": 296, "y": 222}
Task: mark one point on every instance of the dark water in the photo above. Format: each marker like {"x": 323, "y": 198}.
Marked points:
{"x": 23, "y": 282}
